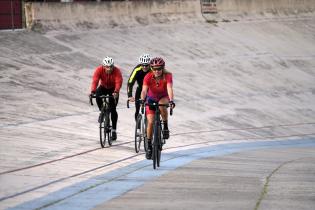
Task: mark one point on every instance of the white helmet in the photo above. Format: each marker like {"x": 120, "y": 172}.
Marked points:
{"x": 108, "y": 61}
{"x": 145, "y": 59}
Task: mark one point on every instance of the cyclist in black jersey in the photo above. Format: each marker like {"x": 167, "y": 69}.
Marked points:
{"x": 138, "y": 73}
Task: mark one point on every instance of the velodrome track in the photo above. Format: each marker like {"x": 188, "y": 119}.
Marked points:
{"x": 239, "y": 85}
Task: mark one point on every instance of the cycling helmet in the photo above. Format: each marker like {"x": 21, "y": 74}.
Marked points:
{"x": 158, "y": 61}
{"x": 108, "y": 61}
{"x": 145, "y": 59}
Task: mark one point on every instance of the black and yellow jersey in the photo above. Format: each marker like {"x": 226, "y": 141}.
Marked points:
{"x": 137, "y": 74}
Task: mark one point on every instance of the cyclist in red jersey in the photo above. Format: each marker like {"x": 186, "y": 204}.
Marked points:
{"x": 157, "y": 87}
{"x": 110, "y": 79}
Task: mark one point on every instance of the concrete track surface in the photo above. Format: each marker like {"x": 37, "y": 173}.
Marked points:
{"x": 242, "y": 133}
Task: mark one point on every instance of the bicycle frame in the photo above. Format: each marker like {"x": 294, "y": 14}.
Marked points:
{"x": 157, "y": 133}
{"x": 106, "y": 111}
{"x": 104, "y": 126}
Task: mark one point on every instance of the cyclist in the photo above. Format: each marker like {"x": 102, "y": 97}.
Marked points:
{"x": 110, "y": 78}
{"x": 138, "y": 73}
{"x": 157, "y": 87}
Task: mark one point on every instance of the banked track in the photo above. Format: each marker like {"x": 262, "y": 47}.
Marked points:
{"x": 237, "y": 81}
{"x": 198, "y": 144}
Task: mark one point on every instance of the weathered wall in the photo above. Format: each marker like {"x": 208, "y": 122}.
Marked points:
{"x": 244, "y": 9}
{"x": 52, "y": 15}
{"x": 100, "y": 14}
{"x": 257, "y": 6}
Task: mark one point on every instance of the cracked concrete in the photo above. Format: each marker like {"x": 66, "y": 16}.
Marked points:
{"x": 233, "y": 182}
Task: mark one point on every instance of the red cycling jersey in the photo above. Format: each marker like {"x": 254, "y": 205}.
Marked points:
{"x": 157, "y": 89}
{"x": 109, "y": 81}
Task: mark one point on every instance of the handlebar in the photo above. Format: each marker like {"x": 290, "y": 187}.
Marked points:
{"x": 102, "y": 96}
{"x": 128, "y": 101}
{"x": 158, "y": 105}
{"x": 152, "y": 104}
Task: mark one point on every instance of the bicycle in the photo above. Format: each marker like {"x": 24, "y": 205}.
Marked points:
{"x": 158, "y": 139}
{"x": 140, "y": 130}
{"x": 105, "y": 126}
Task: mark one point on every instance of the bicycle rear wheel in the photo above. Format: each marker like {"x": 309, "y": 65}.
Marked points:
{"x": 138, "y": 133}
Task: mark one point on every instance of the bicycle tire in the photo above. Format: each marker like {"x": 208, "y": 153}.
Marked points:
{"x": 102, "y": 131}
{"x": 109, "y": 138}
{"x": 156, "y": 156}
{"x": 108, "y": 128}
{"x": 159, "y": 146}
{"x": 138, "y": 133}
{"x": 145, "y": 139}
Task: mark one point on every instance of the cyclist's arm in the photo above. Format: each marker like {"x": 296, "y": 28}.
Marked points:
{"x": 144, "y": 92}
{"x": 129, "y": 89}
{"x": 170, "y": 91}
{"x": 131, "y": 81}
{"x": 145, "y": 86}
{"x": 169, "y": 86}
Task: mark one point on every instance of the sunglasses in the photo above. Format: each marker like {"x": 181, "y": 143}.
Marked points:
{"x": 145, "y": 65}
{"x": 157, "y": 68}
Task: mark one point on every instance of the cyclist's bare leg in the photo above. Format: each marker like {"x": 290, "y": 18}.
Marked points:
{"x": 150, "y": 119}
{"x": 163, "y": 109}
{"x": 164, "y": 115}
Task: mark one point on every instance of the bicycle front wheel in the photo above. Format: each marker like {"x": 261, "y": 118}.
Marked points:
{"x": 159, "y": 147}
{"x": 102, "y": 131}
{"x": 156, "y": 156}
{"x": 138, "y": 133}
{"x": 108, "y": 129}
{"x": 145, "y": 139}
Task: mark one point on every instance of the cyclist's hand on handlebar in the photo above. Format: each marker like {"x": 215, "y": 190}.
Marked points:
{"x": 141, "y": 102}
{"x": 115, "y": 94}
{"x": 131, "y": 99}
{"x": 92, "y": 94}
{"x": 172, "y": 104}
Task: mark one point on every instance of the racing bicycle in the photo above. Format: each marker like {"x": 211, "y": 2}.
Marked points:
{"x": 158, "y": 139}
{"x": 105, "y": 126}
